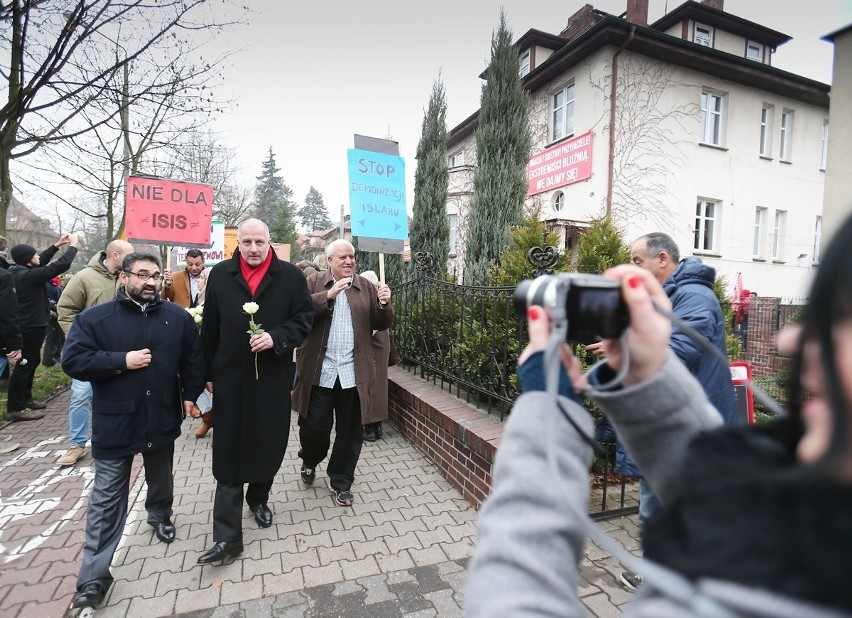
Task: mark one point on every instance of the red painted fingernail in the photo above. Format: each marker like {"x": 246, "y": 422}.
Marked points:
{"x": 634, "y": 282}
{"x": 532, "y": 313}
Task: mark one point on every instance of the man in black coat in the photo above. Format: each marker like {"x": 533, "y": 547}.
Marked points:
{"x": 251, "y": 376}
{"x": 10, "y": 338}
{"x": 143, "y": 358}
{"x": 32, "y": 271}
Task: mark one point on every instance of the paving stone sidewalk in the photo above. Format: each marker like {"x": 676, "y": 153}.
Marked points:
{"x": 401, "y": 550}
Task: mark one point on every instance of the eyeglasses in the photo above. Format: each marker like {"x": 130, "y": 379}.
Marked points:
{"x": 144, "y": 277}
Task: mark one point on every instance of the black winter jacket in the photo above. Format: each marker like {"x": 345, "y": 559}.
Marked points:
{"x": 33, "y": 303}
{"x": 135, "y": 410}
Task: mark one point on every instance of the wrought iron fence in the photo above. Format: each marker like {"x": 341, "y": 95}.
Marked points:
{"x": 466, "y": 337}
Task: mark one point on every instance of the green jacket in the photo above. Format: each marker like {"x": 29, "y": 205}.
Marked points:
{"x": 91, "y": 286}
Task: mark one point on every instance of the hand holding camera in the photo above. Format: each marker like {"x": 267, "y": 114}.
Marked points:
{"x": 603, "y": 308}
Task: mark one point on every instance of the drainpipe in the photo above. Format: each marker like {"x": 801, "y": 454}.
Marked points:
{"x": 612, "y": 93}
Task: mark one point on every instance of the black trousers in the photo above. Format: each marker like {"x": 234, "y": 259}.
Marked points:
{"x": 342, "y": 407}
{"x": 228, "y": 508}
{"x": 53, "y": 342}
{"x": 108, "y": 508}
{"x": 21, "y": 379}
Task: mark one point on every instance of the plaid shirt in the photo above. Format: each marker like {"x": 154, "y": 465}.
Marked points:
{"x": 339, "y": 359}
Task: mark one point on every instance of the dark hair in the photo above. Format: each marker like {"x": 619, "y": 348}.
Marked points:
{"x": 194, "y": 253}
{"x": 829, "y": 303}
{"x": 657, "y": 242}
{"x": 138, "y": 256}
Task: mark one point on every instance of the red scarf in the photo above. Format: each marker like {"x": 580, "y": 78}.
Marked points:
{"x": 254, "y": 275}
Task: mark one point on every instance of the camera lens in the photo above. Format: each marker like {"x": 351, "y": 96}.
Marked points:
{"x": 519, "y": 298}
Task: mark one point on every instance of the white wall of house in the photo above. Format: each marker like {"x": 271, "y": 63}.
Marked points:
{"x": 669, "y": 169}
{"x": 838, "y": 182}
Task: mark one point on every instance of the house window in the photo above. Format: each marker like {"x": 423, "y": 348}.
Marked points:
{"x": 703, "y": 35}
{"x": 823, "y": 146}
{"x": 759, "y": 226}
{"x": 706, "y": 213}
{"x": 754, "y": 51}
{"x": 712, "y": 109}
{"x": 453, "y": 221}
{"x": 817, "y": 238}
{"x": 562, "y": 116}
{"x": 786, "y": 149}
{"x": 766, "y": 131}
{"x": 525, "y": 63}
{"x": 558, "y": 201}
{"x": 457, "y": 159}
{"x": 778, "y": 235}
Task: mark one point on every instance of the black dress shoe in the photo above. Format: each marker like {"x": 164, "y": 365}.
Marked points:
{"x": 369, "y": 433}
{"x": 36, "y": 405}
{"x": 165, "y": 531}
{"x": 262, "y": 515}
{"x": 221, "y": 551}
{"x": 90, "y": 595}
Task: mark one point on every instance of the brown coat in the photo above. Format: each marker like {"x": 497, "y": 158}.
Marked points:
{"x": 367, "y": 316}
{"x": 381, "y": 350}
{"x": 178, "y": 291}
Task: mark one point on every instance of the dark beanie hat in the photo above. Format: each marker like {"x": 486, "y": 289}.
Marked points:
{"x": 22, "y": 254}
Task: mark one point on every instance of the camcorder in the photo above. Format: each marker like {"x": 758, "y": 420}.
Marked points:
{"x": 594, "y": 307}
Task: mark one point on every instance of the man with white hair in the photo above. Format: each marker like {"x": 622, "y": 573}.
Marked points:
{"x": 337, "y": 368}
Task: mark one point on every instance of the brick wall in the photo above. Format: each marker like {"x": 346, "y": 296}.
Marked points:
{"x": 766, "y": 316}
{"x": 460, "y": 439}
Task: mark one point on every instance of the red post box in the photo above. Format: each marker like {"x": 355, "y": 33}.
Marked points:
{"x": 741, "y": 377}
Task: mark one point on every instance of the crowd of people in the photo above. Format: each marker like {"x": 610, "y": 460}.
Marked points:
{"x": 140, "y": 364}
{"x": 734, "y": 519}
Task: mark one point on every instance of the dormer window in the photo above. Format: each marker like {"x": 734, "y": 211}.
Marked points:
{"x": 703, "y": 35}
{"x": 754, "y": 51}
{"x": 525, "y": 63}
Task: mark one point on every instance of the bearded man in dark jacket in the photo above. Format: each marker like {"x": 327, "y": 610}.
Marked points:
{"x": 143, "y": 358}
{"x": 250, "y": 374}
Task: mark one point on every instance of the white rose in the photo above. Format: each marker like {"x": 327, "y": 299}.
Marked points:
{"x": 197, "y": 318}
{"x": 251, "y": 308}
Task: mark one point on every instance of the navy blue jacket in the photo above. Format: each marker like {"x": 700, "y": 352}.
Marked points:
{"x": 690, "y": 289}
{"x": 139, "y": 410}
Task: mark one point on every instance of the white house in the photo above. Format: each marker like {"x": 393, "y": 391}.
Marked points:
{"x": 712, "y": 144}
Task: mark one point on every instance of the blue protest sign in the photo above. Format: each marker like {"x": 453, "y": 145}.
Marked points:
{"x": 377, "y": 195}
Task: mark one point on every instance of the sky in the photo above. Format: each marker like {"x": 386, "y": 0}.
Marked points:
{"x": 307, "y": 79}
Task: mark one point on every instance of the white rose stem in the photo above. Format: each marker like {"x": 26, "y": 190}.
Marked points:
{"x": 381, "y": 267}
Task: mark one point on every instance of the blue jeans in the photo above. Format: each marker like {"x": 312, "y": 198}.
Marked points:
{"x": 648, "y": 503}
{"x": 78, "y": 412}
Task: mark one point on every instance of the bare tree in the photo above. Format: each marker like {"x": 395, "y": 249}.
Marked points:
{"x": 201, "y": 157}
{"x": 70, "y": 71}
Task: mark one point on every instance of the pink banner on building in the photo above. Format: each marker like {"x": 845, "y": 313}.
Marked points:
{"x": 565, "y": 163}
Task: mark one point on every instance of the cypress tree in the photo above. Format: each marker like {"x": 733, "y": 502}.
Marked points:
{"x": 430, "y": 230}
{"x": 502, "y": 149}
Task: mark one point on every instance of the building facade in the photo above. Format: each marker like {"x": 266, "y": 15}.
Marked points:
{"x": 682, "y": 126}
